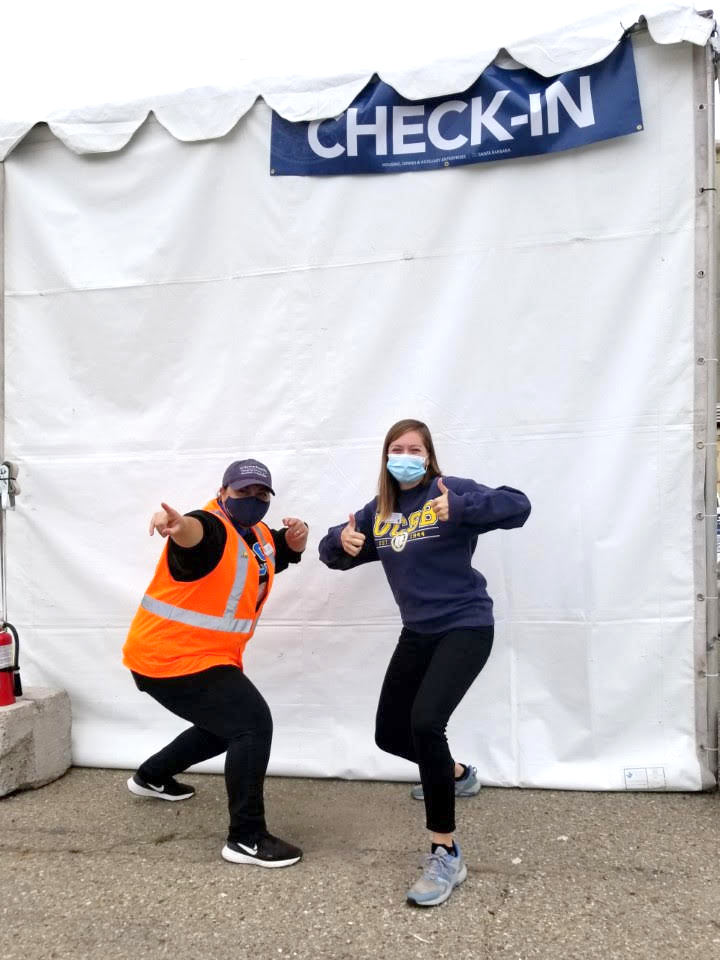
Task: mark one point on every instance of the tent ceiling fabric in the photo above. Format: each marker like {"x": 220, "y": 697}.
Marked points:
{"x": 196, "y": 112}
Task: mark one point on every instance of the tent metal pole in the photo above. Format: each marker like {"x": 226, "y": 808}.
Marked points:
{"x": 3, "y": 528}
{"x": 2, "y": 314}
{"x": 706, "y": 302}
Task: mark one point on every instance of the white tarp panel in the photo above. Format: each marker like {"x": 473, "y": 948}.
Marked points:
{"x": 307, "y": 61}
{"x": 172, "y": 307}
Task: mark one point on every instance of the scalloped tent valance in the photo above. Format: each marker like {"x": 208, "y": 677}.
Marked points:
{"x": 205, "y": 112}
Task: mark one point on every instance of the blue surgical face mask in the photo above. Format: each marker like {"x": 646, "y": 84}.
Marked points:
{"x": 405, "y": 467}
{"x": 246, "y": 511}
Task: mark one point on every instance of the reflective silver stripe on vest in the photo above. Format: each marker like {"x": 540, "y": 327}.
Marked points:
{"x": 224, "y": 624}
{"x": 236, "y": 590}
{"x": 227, "y": 623}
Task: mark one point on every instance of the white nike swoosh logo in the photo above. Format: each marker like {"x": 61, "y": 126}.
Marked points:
{"x": 252, "y": 851}
{"x": 157, "y": 789}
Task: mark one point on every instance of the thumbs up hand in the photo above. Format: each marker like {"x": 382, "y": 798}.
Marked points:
{"x": 441, "y": 504}
{"x": 352, "y": 541}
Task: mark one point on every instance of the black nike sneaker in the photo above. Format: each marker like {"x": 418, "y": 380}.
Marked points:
{"x": 265, "y": 851}
{"x": 170, "y": 790}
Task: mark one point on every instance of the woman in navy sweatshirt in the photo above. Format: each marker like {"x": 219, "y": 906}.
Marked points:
{"x": 423, "y": 527}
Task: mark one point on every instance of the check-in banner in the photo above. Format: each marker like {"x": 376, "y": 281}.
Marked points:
{"x": 505, "y": 113}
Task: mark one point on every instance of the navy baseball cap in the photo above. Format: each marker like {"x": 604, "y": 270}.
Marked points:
{"x": 244, "y": 473}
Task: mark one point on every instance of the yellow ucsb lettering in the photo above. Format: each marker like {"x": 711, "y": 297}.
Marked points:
{"x": 428, "y": 517}
{"x": 381, "y": 527}
{"x": 420, "y": 518}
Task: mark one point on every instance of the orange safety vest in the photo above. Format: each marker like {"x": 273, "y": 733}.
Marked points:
{"x": 183, "y": 628}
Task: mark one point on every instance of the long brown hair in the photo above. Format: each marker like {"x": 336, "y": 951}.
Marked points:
{"x": 388, "y": 487}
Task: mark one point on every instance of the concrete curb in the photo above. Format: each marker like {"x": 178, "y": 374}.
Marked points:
{"x": 34, "y": 740}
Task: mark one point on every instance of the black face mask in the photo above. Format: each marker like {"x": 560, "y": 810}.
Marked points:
{"x": 246, "y": 511}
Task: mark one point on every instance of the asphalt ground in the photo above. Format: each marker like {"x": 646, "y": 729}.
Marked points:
{"x": 89, "y": 871}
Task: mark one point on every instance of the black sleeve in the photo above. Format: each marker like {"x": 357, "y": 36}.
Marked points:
{"x": 284, "y": 555}
{"x": 193, "y": 563}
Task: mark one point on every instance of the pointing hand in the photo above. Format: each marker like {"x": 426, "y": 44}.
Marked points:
{"x": 167, "y": 521}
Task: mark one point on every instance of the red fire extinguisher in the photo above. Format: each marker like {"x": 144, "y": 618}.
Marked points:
{"x": 7, "y": 669}
{"x": 10, "y": 684}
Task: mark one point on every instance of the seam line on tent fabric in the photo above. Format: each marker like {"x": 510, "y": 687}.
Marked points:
{"x": 300, "y": 268}
{"x": 385, "y": 622}
{"x": 159, "y": 456}
{"x": 601, "y": 427}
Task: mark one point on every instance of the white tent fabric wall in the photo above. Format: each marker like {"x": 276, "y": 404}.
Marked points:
{"x": 172, "y": 307}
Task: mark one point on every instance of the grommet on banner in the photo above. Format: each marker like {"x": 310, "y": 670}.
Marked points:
{"x": 701, "y": 597}
{"x": 707, "y": 190}
{"x": 702, "y": 360}
{"x": 700, "y": 274}
{"x": 704, "y": 516}
{"x": 702, "y": 443}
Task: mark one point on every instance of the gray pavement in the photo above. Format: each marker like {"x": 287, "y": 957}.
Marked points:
{"x": 89, "y": 871}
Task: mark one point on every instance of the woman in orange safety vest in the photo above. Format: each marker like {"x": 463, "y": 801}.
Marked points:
{"x": 185, "y": 647}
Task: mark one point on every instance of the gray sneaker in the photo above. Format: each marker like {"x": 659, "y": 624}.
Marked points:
{"x": 467, "y": 787}
{"x": 441, "y": 874}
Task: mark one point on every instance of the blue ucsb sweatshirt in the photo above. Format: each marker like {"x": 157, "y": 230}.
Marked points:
{"x": 428, "y": 562}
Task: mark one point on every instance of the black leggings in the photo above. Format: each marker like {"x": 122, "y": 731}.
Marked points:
{"x": 228, "y": 714}
{"x": 427, "y": 677}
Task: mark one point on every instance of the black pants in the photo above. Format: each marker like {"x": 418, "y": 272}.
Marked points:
{"x": 228, "y": 714}
{"x": 427, "y": 677}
